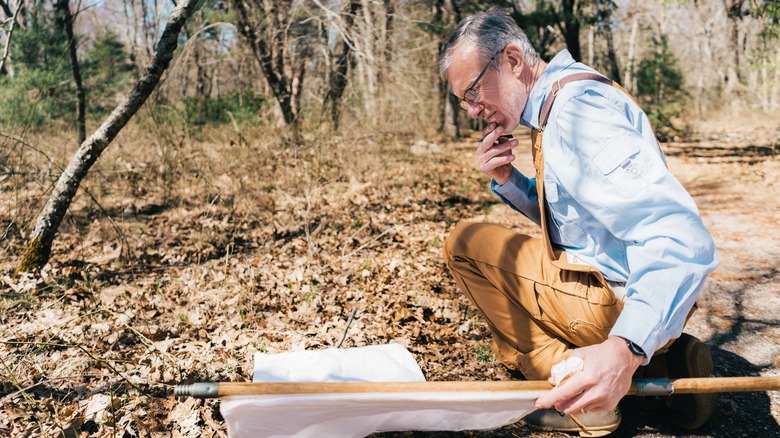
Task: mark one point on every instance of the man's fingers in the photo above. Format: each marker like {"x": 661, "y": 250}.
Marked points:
{"x": 572, "y": 405}
{"x": 560, "y": 395}
{"x": 496, "y": 150}
{"x": 488, "y": 129}
{"x": 496, "y": 162}
{"x": 489, "y": 138}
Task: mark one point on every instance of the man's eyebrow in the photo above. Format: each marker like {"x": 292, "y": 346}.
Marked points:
{"x": 471, "y": 86}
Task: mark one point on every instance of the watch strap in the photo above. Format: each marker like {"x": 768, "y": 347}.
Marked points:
{"x": 636, "y": 349}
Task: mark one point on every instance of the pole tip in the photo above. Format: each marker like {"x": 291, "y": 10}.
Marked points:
{"x": 197, "y": 390}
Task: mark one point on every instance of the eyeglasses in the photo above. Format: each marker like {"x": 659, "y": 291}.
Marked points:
{"x": 470, "y": 97}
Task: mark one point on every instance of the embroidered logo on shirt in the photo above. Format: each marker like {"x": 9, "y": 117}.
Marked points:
{"x": 630, "y": 169}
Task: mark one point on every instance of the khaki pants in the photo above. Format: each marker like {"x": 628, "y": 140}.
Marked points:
{"x": 537, "y": 313}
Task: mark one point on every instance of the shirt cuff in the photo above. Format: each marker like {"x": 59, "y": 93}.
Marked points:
{"x": 519, "y": 192}
{"x": 647, "y": 334}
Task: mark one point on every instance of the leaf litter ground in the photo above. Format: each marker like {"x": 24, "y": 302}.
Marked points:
{"x": 271, "y": 250}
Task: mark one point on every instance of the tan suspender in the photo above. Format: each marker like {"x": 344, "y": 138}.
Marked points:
{"x": 548, "y": 103}
{"x": 558, "y": 256}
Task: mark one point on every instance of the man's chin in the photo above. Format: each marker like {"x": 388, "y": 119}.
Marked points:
{"x": 506, "y": 127}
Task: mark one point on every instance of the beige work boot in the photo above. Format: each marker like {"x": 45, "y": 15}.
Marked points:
{"x": 595, "y": 423}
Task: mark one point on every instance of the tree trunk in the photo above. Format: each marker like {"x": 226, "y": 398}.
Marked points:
{"x": 6, "y": 9}
{"x": 631, "y": 64}
{"x": 368, "y": 62}
{"x": 446, "y": 14}
{"x": 65, "y": 20}
{"x": 389, "y": 22}
{"x": 614, "y": 68}
{"x": 12, "y": 26}
{"x": 265, "y": 25}
{"x": 571, "y": 29}
{"x": 591, "y": 49}
{"x": 734, "y": 15}
{"x": 342, "y": 60}
{"x": 48, "y": 221}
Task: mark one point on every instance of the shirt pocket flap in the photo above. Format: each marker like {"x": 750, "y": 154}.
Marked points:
{"x": 615, "y": 153}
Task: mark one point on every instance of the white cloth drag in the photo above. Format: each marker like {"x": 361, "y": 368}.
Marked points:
{"x": 360, "y": 414}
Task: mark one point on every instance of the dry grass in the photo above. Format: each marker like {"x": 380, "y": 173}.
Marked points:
{"x": 218, "y": 247}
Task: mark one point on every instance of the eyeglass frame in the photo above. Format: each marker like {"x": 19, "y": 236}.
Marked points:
{"x": 465, "y": 104}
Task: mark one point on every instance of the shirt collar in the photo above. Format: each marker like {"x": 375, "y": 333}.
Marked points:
{"x": 540, "y": 90}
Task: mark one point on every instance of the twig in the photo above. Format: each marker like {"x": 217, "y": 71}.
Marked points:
{"x": 349, "y": 321}
{"x": 150, "y": 344}
{"x": 361, "y": 247}
{"x": 47, "y": 380}
{"x": 355, "y": 234}
{"x": 83, "y": 350}
{"x": 32, "y": 403}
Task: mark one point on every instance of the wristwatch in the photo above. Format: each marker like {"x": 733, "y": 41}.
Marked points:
{"x": 636, "y": 349}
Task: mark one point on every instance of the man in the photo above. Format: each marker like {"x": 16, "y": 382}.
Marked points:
{"x": 623, "y": 253}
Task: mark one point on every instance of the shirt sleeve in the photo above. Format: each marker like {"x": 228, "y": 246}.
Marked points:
{"x": 520, "y": 194}
{"x": 620, "y": 178}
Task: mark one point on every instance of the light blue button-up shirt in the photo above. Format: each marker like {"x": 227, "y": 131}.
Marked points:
{"x": 613, "y": 203}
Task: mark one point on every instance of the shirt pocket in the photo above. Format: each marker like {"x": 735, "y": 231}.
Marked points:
{"x": 627, "y": 169}
{"x": 565, "y": 228}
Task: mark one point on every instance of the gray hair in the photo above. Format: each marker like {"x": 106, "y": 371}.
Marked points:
{"x": 490, "y": 31}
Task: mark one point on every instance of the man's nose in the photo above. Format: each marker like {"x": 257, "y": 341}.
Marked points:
{"x": 475, "y": 109}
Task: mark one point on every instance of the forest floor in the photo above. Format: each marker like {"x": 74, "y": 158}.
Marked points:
{"x": 217, "y": 249}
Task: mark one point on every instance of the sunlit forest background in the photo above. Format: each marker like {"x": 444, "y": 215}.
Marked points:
{"x": 369, "y": 65}
{"x": 289, "y": 182}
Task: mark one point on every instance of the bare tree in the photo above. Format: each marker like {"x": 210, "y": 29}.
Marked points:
{"x": 6, "y": 9}
{"x": 65, "y": 22}
{"x": 631, "y": 64}
{"x": 340, "y": 62}
{"x": 735, "y": 13}
{"x": 48, "y": 221}
{"x": 13, "y": 17}
{"x": 569, "y": 24}
{"x": 280, "y": 41}
{"x": 445, "y": 15}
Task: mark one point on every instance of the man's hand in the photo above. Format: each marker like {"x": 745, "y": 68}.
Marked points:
{"x": 601, "y": 384}
{"x": 495, "y": 159}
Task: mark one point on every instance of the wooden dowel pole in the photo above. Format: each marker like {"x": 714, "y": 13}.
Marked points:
{"x": 639, "y": 387}
{"x": 726, "y": 384}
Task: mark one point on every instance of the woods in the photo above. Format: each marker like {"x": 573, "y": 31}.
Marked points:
{"x": 181, "y": 189}
{"x": 306, "y": 57}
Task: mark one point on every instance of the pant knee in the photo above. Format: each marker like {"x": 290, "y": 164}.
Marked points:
{"x": 453, "y": 243}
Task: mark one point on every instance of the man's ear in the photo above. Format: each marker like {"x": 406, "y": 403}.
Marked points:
{"x": 515, "y": 57}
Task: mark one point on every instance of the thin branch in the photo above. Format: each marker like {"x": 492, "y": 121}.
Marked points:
{"x": 83, "y": 350}
{"x": 21, "y": 391}
{"x": 361, "y": 246}
{"x": 346, "y": 328}
{"x": 5, "y": 6}
{"x": 32, "y": 403}
{"x": 6, "y": 51}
